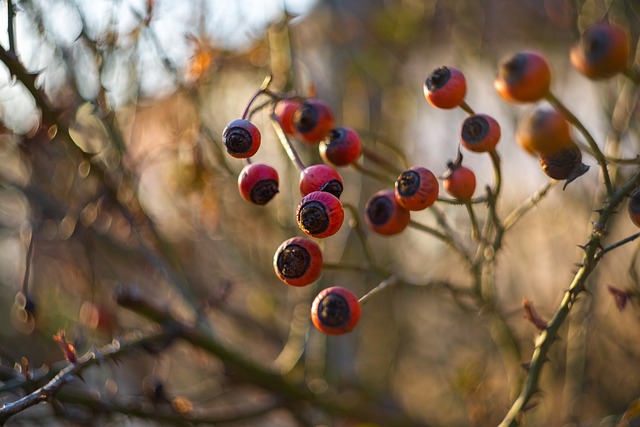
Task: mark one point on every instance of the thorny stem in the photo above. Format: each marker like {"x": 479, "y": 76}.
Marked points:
{"x": 546, "y": 339}
{"x": 617, "y": 245}
{"x": 595, "y": 150}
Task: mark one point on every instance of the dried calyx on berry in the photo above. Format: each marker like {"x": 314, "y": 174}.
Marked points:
{"x": 320, "y": 214}
{"x": 335, "y": 311}
{"x": 258, "y": 183}
{"x": 312, "y": 121}
{"x": 564, "y": 164}
{"x": 241, "y": 138}
{"x": 416, "y": 188}
{"x": 298, "y": 261}
{"x": 341, "y": 147}
{"x": 445, "y": 87}
{"x": 480, "y": 133}
{"x": 384, "y": 215}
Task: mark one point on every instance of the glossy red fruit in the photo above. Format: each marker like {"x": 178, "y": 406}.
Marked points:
{"x": 602, "y": 52}
{"x": 335, "y": 311}
{"x": 320, "y": 214}
{"x": 320, "y": 178}
{"x": 634, "y": 207}
{"x": 480, "y": 133}
{"x": 416, "y": 189}
{"x": 565, "y": 164}
{"x": 258, "y": 183}
{"x": 459, "y": 182}
{"x": 341, "y": 147}
{"x": 284, "y": 112}
{"x": 241, "y": 138}
{"x": 524, "y": 77}
{"x": 384, "y": 215}
{"x": 445, "y": 87}
{"x": 298, "y": 261}
{"x": 543, "y": 130}
{"x": 312, "y": 121}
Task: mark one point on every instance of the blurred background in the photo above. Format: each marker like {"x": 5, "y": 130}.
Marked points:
{"x": 147, "y": 88}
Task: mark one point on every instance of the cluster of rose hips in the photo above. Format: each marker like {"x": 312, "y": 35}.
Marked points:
{"x": 545, "y": 132}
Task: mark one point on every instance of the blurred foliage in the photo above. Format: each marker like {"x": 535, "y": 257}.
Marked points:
{"x": 114, "y": 175}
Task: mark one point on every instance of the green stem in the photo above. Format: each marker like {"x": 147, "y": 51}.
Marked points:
{"x": 467, "y": 108}
{"x": 475, "y": 233}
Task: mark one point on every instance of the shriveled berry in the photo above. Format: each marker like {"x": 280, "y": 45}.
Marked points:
{"x": 416, "y": 189}
{"x": 298, "y": 261}
{"x": 258, "y": 183}
{"x": 634, "y": 207}
{"x": 341, "y": 147}
{"x": 564, "y": 164}
{"x": 459, "y": 181}
{"x": 524, "y": 77}
{"x": 445, "y": 87}
{"x": 335, "y": 311}
{"x": 480, "y": 133}
{"x": 320, "y": 178}
{"x": 543, "y": 130}
{"x": 384, "y": 215}
{"x": 312, "y": 121}
{"x": 602, "y": 52}
{"x": 284, "y": 111}
{"x": 241, "y": 138}
{"x": 320, "y": 214}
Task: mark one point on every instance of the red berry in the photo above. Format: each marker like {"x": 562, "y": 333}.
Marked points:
{"x": 459, "y": 182}
{"x": 335, "y": 311}
{"x": 480, "y": 133}
{"x": 524, "y": 77}
{"x": 634, "y": 207}
{"x": 258, "y": 183}
{"x": 312, "y": 121}
{"x": 298, "y": 261}
{"x": 445, "y": 87}
{"x": 384, "y": 215}
{"x": 320, "y": 214}
{"x": 543, "y": 131}
{"x": 602, "y": 52}
{"x": 416, "y": 188}
{"x": 284, "y": 111}
{"x": 320, "y": 178}
{"x": 564, "y": 164}
{"x": 242, "y": 138}
{"x": 341, "y": 146}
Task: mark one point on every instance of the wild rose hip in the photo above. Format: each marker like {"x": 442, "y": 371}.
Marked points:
{"x": 241, "y": 138}
{"x": 565, "y": 164}
{"x": 298, "y": 261}
{"x": 341, "y": 147}
{"x": 459, "y": 182}
{"x": 543, "y": 131}
{"x": 480, "y": 133}
{"x": 312, "y": 121}
{"x": 524, "y": 77}
{"x": 258, "y": 183}
{"x": 384, "y": 215}
{"x": 320, "y": 178}
{"x": 335, "y": 311}
{"x": 416, "y": 189}
{"x": 445, "y": 87}
{"x": 602, "y": 52}
{"x": 633, "y": 207}
{"x": 320, "y": 214}
{"x": 284, "y": 111}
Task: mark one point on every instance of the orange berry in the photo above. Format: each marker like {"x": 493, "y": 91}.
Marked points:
{"x": 416, "y": 189}
{"x": 445, "y": 87}
{"x": 384, "y": 215}
{"x": 524, "y": 77}
{"x": 480, "y": 133}
{"x": 459, "y": 182}
{"x": 335, "y": 311}
{"x": 543, "y": 131}
{"x": 602, "y": 52}
{"x": 634, "y": 207}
